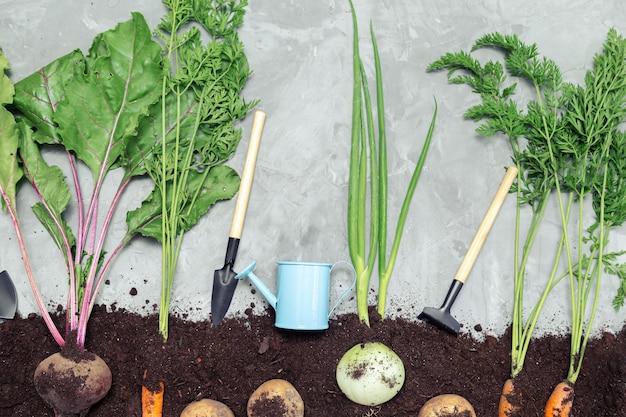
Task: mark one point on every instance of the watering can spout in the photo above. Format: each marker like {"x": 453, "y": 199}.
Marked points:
{"x": 269, "y": 296}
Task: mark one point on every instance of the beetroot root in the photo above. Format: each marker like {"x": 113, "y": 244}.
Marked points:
{"x": 72, "y": 382}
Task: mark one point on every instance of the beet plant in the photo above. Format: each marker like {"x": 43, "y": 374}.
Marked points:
{"x": 89, "y": 107}
{"x": 160, "y": 105}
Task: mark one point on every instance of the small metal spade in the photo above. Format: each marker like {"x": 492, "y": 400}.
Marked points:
{"x": 224, "y": 282}
{"x": 8, "y": 297}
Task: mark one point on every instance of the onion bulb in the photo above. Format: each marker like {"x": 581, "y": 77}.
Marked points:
{"x": 370, "y": 374}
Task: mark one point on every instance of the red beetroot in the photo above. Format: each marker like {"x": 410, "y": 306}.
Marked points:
{"x": 71, "y": 381}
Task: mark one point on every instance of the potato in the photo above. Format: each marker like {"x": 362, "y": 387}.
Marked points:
{"x": 447, "y": 405}
{"x": 275, "y": 397}
{"x": 207, "y": 408}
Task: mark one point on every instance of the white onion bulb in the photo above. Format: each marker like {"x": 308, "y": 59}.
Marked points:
{"x": 370, "y": 373}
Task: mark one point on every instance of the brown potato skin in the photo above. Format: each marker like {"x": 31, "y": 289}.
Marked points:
{"x": 277, "y": 388}
{"x": 207, "y": 408}
{"x": 446, "y": 405}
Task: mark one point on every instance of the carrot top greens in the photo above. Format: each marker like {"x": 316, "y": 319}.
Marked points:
{"x": 568, "y": 148}
{"x": 192, "y": 131}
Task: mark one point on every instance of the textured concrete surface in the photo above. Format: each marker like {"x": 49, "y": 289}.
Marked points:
{"x": 300, "y": 52}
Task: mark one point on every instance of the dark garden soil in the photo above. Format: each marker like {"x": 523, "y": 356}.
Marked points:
{"x": 228, "y": 362}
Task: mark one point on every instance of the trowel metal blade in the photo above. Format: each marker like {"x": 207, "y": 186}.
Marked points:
{"x": 8, "y": 297}
{"x": 224, "y": 284}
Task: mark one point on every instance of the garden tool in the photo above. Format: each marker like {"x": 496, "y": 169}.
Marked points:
{"x": 224, "y": 282}
{"x": 8, "y": 297}
{"x": 441, "y": 316}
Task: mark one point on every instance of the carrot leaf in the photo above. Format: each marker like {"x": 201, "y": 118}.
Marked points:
{"x": 569, "y": 150}
{"x": 193, "y": 125}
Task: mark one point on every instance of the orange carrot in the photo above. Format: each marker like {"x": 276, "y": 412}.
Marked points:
{"x": 152, "y": 400}
{"x": 508, "y": 399}
{"x": 560, "y": 402}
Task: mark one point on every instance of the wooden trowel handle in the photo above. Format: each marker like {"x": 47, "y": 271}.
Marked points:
{"x": 247, "y": 175}
{"x": 485, "y": 226}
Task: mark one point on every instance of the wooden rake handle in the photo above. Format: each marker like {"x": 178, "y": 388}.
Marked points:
{"x": 484, "y": 228}
{"x": 243, "y": 195}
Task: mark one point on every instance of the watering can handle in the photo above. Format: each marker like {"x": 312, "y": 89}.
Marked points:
{"x": 346, "y": 291}
{"x": 485, "y": 226}
{"x": 246, "y": 177}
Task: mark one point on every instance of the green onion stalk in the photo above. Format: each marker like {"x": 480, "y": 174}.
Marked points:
{"x": 369, "y": 150}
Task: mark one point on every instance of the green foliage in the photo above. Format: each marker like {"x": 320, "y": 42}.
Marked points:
{"x": 91, "y": 106}
{"x": 568, "y": 146}
{"x": 121, "y": 83}
{"x": 50, "y": 183}
{"x": 10, "y": 172}
{"x": 39, "y": 94}
{"x": 167, "y": 111}
{"x": 7, "y": 90}
{"x": 368, "y": 149}
{"x": 222, "y": 181}
{"x": 192, "y": 128}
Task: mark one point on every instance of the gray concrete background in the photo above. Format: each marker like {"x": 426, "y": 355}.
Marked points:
{"x": 300, "y": 52}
